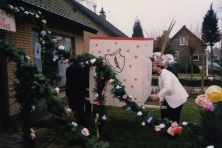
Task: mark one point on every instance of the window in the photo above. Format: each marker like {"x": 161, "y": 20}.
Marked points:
{"x": 183, "y": 40}
{"x": 176, "y": 55}
{"x": 195, "y": 57}
{"x": 45, "y": 62}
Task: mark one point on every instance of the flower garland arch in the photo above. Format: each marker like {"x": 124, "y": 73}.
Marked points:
{"x": 37, "y": 91}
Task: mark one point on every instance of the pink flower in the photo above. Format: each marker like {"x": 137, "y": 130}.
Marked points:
{"x": 85, "y": 132}
{"x": 125, "y": 97}
{"x": 174, "y": 124}
{"x": 170, "y": 131}
{"x": 201, "y": 100}
{"x": 157, "y": 128}
{"x": 87, "y": 62}
{"x": 209, "y": 106}
{"x": 32, "y": 135}
{"x": 211, "y": 79}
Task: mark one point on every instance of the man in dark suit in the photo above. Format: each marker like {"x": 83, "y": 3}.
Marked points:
{"x": 77, "y": 81}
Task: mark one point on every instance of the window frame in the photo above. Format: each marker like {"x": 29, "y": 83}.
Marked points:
{"x": 198, "y": 57}
{"x": 176, "y": 53}
{"x": 183, "y": 40}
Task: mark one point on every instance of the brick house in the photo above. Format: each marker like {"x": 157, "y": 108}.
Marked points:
{"x": 70, "y": 22}
{"x": 184, "y": 40}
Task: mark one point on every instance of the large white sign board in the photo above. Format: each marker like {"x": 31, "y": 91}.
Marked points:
{"x": 129, "y": 58}
{"x": 7, "y": 21}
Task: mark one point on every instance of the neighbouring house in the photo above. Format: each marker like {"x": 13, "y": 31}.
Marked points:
{"x": 184, "y": 42}
{"x": 70, "y": 22}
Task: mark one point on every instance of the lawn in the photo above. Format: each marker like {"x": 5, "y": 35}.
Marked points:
{"x": 196, "y": 76}
{"x": 123, "y": 131}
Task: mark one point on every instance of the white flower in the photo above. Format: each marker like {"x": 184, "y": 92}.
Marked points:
{"x": 74, "y": 124}
{"x": 33, "y": 109}
{"x": 210, "y": 146}
{"x": 131, "y": 97}
{"x": 49, "y": 32}
{"x": 61, "y": 47}
{"x": 96, "y": 95}
{"x": 104, "y": 117}
{"x": 39, "y": 12}
{"x": 118, "y": 87}
{"x": 95, "y": 74}
{"x": 143, "y": 123}
{"x": 162, "y": 125}
{"x": 26, "y": 12}
{"x": 68, "y": 109}
{"x": 184, "y": 123}
{"x": 92, "y": 61}
{"x": 57, "y": 90}
{"x": 28, "y": 57}
{"x": 139, "y": 113}
{"x": 111, "y": 81}
{"x": 122, "y": 84}
{"x": 97, "y": 115}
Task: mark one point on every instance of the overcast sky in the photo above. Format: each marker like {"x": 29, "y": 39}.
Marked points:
{"x": 156, "y": 15}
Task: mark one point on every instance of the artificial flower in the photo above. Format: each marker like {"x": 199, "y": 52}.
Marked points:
{"x": 128, "y": 108}
{"x": 85, "y": 132}
{"x": 43, "y": 42}
{"x": 37, "y": 16}
{"x": 214, "y": 93}
{"x": 87, "y": 62}
{"x": 170, "y": 131}
{"x": 44, "y": 21}
{"x": 32, "y": 130}
{"x": 131, "y": 97}
{"x": 68, "y": 111}
{"x": 26, "y": 12}
{"x": 102, "y": 77}
{"x": 209, "y": 106}
{"x": 95, "y": 84}
{"x": 43, "y": 33}
{"x": 174, "y": 124}
{"x": 74, "y": 124}
{"x": 139, "y": 113}
{"x": 104, "y": 63}
{"x": 201, "y": 100}
{"x": 124, "y": 97}
{"x": 61, "y": 47}
{"x": 157, "y": 128}
{"x": 122, "y": 84}
{"x": 211, "y": 79}
{"x": 31, "y": 13}
{"x": 177, "y": 129}
{"x": 162, "y": 125}
{"x": 54, "y": 40}
{"x": 95, "y": 75}
{"x": 32, "y": 135}
{"x": 39, "y": 12}
{"x": 49, "y": 32}
{"x": 118, "y": 87}
{"x": 104, "y": 117}
{"x": 184, "y": 123}
{"x": 57, "y": 90}
{"x": 21, "y": 8}
{"x": 28, "y": 57}
{"x": 143, "y": 123}
{"x": 150, "y": 120}
{"x": 33, "y": 108}
{"x": 143, "y": 107}
{"x": 111, "y": 81}
{"x": 16, "y": 10}
{"x": 98, "y": 103}
{"x": 96, "y": 95}
{"x": 11, "y": 7}
{"x": 210, "y": 146}
{"x": 93, "y": 60}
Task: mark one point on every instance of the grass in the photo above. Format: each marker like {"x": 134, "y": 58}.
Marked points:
{"x": 196, "y": 76}
{"x": 122, "y": 131}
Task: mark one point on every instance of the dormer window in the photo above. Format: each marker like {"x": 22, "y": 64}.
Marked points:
{"x": 183, "y": 40}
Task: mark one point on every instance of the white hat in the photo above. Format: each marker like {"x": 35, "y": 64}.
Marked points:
{"x": 158, "y": 59}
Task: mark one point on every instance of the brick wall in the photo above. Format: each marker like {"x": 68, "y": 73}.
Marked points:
{"x": 22, "y": 38}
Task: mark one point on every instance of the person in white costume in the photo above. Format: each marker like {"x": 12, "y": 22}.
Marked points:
{"x": 172, "y": 94}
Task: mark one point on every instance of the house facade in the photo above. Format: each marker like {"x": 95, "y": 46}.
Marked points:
{"x": 184, "y": 43}
{"x": 70, "y": 28}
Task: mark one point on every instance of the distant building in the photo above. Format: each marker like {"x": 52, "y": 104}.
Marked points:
{"x": 183, "y": 41}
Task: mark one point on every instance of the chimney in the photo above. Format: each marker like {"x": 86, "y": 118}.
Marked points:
{"x": 102, "y": 13}
{"x": 94, "y": 6}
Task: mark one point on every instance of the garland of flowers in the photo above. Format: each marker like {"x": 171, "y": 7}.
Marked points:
{"x": 38, "y": 88}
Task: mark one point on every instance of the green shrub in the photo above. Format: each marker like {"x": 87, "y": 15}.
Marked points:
{"x": 181, "y": 68}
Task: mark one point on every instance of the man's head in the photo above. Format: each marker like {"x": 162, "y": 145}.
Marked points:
{"x": 157, "y": 68}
